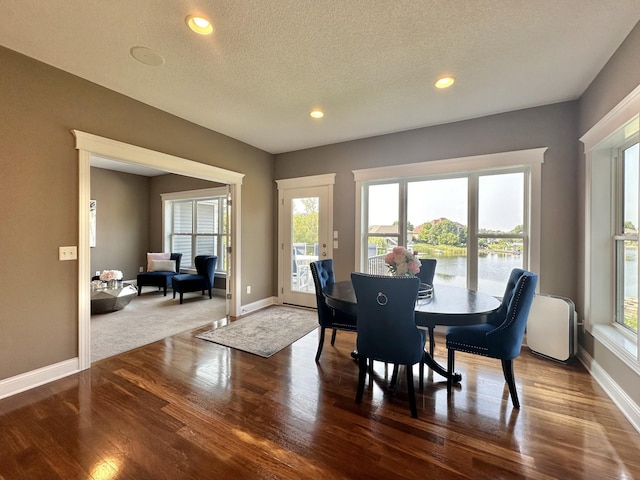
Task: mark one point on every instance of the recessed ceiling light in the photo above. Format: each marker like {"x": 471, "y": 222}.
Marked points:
{"x": 199, "y": 24}
{"x": 317, "y": 113}
{"x": 444, "y": 82}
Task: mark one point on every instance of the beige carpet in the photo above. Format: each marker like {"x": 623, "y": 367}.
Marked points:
{"x": 149, "y": 318}
{"x": 265, "y": 332}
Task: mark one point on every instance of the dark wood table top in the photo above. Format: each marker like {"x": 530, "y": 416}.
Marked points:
{"x": 449, "y": 305}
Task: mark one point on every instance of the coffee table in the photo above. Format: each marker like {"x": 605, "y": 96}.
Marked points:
{"x": 106, "y": 300}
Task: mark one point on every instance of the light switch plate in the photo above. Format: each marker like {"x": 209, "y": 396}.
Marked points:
{"x": 68, "y": 253}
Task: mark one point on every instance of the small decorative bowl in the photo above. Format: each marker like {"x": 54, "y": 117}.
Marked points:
{"x": 425, "y": 291}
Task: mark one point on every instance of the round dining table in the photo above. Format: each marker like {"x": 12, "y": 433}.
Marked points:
{"x": 446, "y": 306}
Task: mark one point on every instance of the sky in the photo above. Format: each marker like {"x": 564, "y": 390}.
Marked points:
{"x": 500, "y": 202}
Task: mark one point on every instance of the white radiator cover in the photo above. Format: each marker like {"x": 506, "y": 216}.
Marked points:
{"x": 552, "y": 330}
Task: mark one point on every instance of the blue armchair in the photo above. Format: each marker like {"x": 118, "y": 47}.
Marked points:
{"x": 501, "y": 336}
{"x": 160, "y": 279}
{"x": 387, "y": 329}
{"x": 322, "y": 272}
{"x": 200, "y": 281}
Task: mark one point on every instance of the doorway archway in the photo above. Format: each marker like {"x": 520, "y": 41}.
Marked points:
{"x": 88, "y": 144}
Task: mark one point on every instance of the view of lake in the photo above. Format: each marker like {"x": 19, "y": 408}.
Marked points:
{"x": 452, "y": 271}
{"x": 493, "y": 271}
{"x": 630, "y": 272}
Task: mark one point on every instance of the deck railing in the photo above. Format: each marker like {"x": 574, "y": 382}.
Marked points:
{"x": 376, "y": 265}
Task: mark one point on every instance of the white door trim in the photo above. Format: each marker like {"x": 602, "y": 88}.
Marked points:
{"x": 88, "y": 144}
{"x": 326, "y": 180}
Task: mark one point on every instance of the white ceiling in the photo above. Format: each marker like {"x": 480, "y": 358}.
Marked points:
{"x": 369, "y": 64}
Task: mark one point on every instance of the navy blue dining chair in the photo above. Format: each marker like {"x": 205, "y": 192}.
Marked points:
{"x": 501, "y": 337}
{"x": 426, "y": 274}
{"x": 322, "y": 272}
{"x": 387, "y": 329}
{"x": 427, "y": 270}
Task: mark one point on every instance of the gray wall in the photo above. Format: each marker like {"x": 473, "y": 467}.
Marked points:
{"x": 122, "y": 221}
{"x": 39, "y": 193}
{"x": 129, "y": 217}
{"x": 618, "y": 78}
{"x": 556, "y": 126}
{"x": 552, "y": 126}
{"x": 168, "y": 184}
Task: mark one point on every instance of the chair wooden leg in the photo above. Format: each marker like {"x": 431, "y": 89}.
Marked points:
{"x": 412, "y": 393}
{"x": 333, "y": 337}
{"x": 320, "y": 344}
{"x": 394, "y": 377}
{"x": 421, "y": 374}
{"x": 432, "y": 341}
{"x": 451, "y": 362}
{"x": 180, "y": 298}
{"x": 507, "y": 369}
{"x": 362, "y": 372}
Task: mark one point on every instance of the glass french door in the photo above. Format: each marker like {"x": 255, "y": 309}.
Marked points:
{"x": 305, "y": 239}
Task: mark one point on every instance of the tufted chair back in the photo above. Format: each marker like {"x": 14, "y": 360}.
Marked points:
{"x": 427, "y": 270}
{"x": 386, "y": 325}
{"x": 322, "y": 272}
{"x": 501, "y": 337}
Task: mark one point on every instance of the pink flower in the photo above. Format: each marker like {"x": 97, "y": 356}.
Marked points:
{"x": 402, "y": 262}
{"x": 107, "y": 275}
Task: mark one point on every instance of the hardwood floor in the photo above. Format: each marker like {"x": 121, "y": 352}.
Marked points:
{"x": 184, "y": 408}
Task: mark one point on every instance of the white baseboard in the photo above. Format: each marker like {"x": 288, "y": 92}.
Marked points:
{"x": 35, "y": 378}
{"x": 260, "y": 304}
{"x": 625, "y": 404}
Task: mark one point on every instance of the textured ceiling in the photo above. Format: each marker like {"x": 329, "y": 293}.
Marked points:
{"x": 369, "y": 64}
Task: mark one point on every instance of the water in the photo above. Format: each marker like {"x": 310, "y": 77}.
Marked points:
{"x": 631, "y": 272}
{"x": 493, "y": 271}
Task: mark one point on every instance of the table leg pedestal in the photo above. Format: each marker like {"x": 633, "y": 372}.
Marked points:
{"x": 454, "y": 377}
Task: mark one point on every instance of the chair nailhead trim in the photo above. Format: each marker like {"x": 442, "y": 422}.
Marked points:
{"x": 515, "y": 308}
{"x": 463, "y": 347}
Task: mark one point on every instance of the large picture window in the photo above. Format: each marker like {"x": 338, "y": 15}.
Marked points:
{"x": 476, "y": 222}
{"x": 196, "y": 224}
{"x": 612, "y": 201}
{"x": 626, "y": 238}
{"x": 436, "y": 220}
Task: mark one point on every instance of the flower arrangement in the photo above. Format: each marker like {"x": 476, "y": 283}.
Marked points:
{"x": 108, "y": 275}
{"x": 402, "y": 262}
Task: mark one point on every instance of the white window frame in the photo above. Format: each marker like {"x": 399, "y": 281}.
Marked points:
{"x": 600, "y": 230}
{"x": 531, "y": 159}
{"x": 167, "y": 219}
{"x": 620, "y": 237}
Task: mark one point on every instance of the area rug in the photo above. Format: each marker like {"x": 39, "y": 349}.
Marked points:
{"x": 265, "y": 332}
